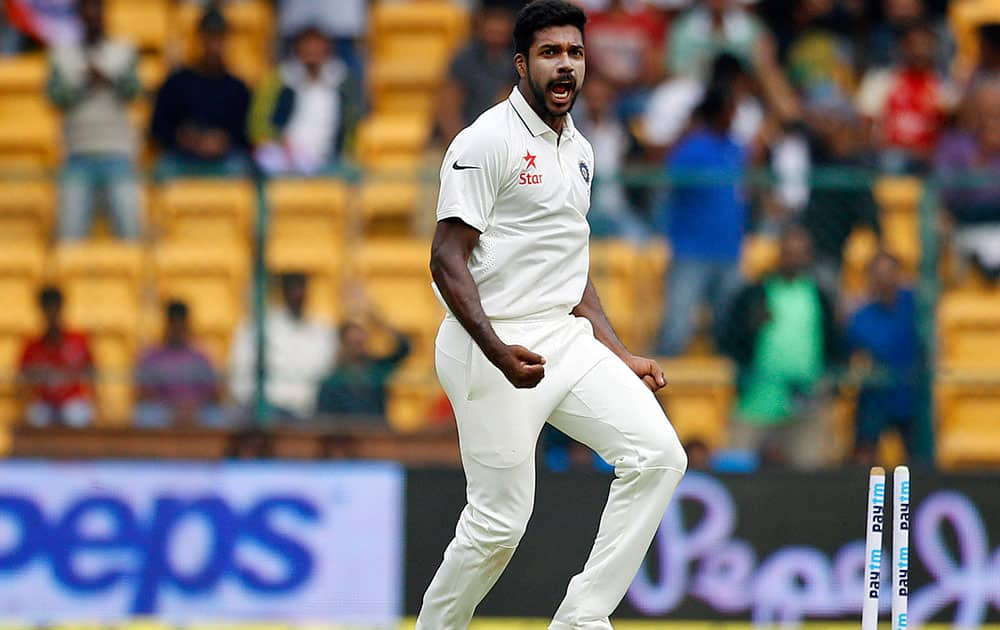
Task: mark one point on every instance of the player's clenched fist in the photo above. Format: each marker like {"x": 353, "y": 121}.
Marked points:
{"x": 648, "y": 370}
{"x": 522, "y": 367}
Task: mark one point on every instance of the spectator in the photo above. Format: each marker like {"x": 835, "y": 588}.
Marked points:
{"x": 974, "y": 206}
{"x": 200, "y": 115}
{"x": 820, "y": 59}
{"x": 343, "y": 21}
{"x": 299, "y": 352}
{"x": 885, "y": 37}
{"x": 357, "y": 384}
{"x": 670, "y": 105}
{"x": 92, "y": 83}
{"x": 716, "y": 26}
{"x": 905, "y": 106}
{"x": 988, "y": 65}
{"x": 176, "y": 382}
{"x": 57, "y": 370}
{"x": 781, "y": 335}
{"x": 594, "y": 114}
{"x": 836, "y": 209}
{"x": 987, "y": 69}
{"x": 625, "y": 43}
{"x": 885, "y": 331}
{"x": 707, "y": 216}
{"x": 481, "y": 74}
{"x": 303, "y": 112}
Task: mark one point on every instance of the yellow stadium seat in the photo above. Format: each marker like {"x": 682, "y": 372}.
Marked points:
{"x": 654, "y": 259}
{"x": 394, "y": 100}
{"x": 446, "y": 20}
{"x": 968, "y": 432}
{"x": 323, "y": 266}
{"x": 964, "y": 17}
{"x": 614, "y": 269}
{"x": 859, "y": 250}
{"x": 308, "y": 211}
{"x": 152, "y": 73}
{"x": 101, "y": 281}
{"x": 213, "y": 283}
{"x": 760, "y": 256}
{"x": 396, "y": 275}
{"x": 388, "y": 204}
{"x": 23, "y": 74}
{"x": 207, "y": 210}
{"x": 382, "y": 137}
{"x": 698, "y": 398}
{"x": 411, "y": 394}
{"x": 899, "y": 200}
{"x": 145, "y": 24}
{"x": 969, "y": 329}
{"x": 29, "y": 134}
{"x": 401, "y": 72}
{"x": 27, "y": 208}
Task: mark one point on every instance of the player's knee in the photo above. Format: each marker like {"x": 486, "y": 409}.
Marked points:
{"x": 501, "y": 528}
{"x": 665, "y": 451}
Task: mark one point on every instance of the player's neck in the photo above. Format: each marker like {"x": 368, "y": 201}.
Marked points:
{"x": 556, "y": 123}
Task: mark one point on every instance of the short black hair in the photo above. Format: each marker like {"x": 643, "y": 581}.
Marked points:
{"x": 292, "y": 278}
{"x": 50, "y": 296}
{"x": 917, "y": 25}
{"x": 541, "y": 14}
{"x": 989, "y": 34}
{"x": 884, "y": 254}
{"x": 213, "y": 20}
{"x": 310, "y": 30}
{"x": 727, "y": 67}
{"x": 177, "y": 310}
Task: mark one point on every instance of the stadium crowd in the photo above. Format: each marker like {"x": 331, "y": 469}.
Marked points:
{"x": 703, "y": 96}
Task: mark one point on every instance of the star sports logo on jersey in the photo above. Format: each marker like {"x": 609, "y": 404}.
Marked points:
{"x": 529, "y": 179}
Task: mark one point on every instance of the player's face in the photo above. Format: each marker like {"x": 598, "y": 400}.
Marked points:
{"x": 555, "y": 68}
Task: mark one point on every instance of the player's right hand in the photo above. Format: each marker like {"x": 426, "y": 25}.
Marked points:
{"x": 522, "y": 367}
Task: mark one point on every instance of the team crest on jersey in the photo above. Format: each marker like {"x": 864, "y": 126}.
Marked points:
{"x": 585, "y": 171}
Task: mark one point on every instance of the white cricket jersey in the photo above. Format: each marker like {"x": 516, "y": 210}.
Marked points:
{"x": 527, "y": 190}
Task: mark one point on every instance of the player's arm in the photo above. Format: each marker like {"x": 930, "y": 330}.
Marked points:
{"x": 590, "y": 308}
{"x": 453, "y": 243}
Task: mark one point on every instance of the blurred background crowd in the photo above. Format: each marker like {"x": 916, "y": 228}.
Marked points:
{"x": 218, "y": 214}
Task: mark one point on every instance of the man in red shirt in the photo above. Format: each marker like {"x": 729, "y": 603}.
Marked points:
{"x": 906, "y": 106}
{"x": 57, "y": 370}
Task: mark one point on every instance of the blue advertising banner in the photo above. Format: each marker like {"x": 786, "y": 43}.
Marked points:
{"x": 185, "y": 542}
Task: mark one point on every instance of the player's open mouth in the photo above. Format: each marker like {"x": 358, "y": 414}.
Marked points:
{"x": 562, "y": 91}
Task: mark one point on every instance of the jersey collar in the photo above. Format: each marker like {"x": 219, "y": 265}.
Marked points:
{"x": 536, "y": 126}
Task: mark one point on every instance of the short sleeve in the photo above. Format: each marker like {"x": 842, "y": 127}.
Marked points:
{"x": 873, "y": 93}
{"x": 471, "y": 175}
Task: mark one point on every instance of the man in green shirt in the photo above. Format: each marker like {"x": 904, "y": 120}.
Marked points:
{"x": 781, "y": 333}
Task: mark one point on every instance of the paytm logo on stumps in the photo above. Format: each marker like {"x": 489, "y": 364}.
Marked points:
{"x": 125, "y": 540}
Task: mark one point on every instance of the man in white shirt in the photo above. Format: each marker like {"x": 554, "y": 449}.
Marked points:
{"x": 526, "y": 341}
{"x": 299, "y": 353}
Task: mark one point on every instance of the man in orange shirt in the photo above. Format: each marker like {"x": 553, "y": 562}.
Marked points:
{"x": 57, "y": 370}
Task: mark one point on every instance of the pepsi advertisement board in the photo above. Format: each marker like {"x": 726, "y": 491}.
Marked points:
{"x": 776, "y": 548}
{"x": 191, "y": 542}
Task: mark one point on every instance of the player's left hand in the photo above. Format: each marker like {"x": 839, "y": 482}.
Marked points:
{"x": 648, "y": 370}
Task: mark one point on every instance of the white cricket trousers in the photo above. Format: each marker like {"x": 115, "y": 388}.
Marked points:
{"x": 592, "y": 396}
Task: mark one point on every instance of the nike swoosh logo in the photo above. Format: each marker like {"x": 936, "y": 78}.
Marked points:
{"x": 462, "y": 167}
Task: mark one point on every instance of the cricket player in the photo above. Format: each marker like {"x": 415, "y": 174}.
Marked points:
{"x": 525, "y": 340}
